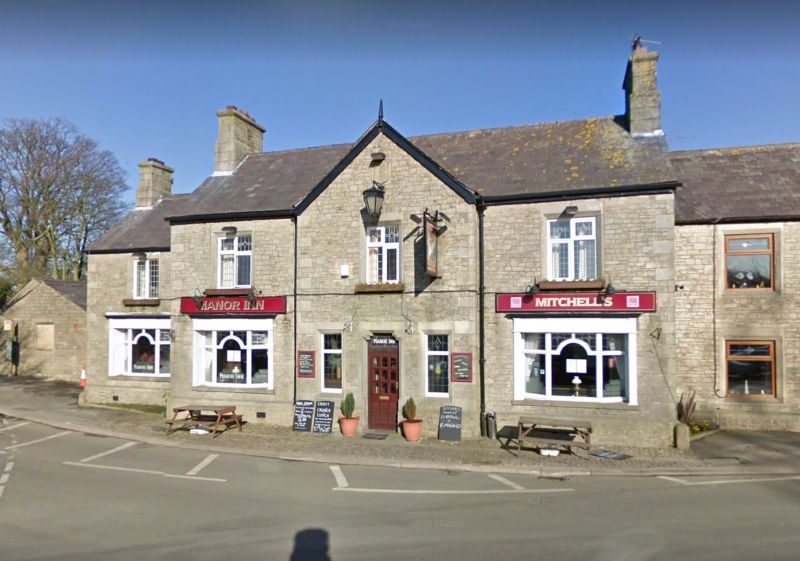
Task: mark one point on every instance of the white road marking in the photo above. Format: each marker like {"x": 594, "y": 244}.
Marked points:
{"x": 9, "y": 467}
{"x": 505, "y": 481}
{"x": 3, "y": 479}
{"x": 16, "y": 426}
{"x": 726, "y": 481}
{"x": 108, "y": 452}
{"x": 144, "y": 471}
{"x": 1, "y": 491}
{"x": 12, "y": 447}
{"x": 341, "y": 480}
{"x": 449, "y": 492}
{"x": 196, "y": 469}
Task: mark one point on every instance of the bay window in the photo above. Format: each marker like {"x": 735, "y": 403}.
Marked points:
{"x": 383, "y": 254}
{"x": 575, "y": 359}
{"x": 235, "y": 261}
{"x": 572, "y": 248}
{"x": 233, "y": 352}
{"x": 139, "y": 347}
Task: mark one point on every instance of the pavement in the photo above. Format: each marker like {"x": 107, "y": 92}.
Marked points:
{"x": 727, "y": 453}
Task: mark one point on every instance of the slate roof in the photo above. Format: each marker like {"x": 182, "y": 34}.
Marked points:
{"x": 143, "y": 229}
{"x": 72, "y": 290}
{"x": 738, "y": 184}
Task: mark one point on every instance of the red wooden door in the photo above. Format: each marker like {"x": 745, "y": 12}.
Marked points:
{"x": 384, "y": 380}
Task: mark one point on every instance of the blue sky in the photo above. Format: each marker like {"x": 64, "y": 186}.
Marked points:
{"x": 145, "y": 78}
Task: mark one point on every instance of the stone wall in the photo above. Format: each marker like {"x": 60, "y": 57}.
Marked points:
{"x": 635, "y": 239}
{"x": 708, "y": 315}
{"x": 67, "y": 355}
{"x": 110, "y": 282}
{"x": 332, "y": 234}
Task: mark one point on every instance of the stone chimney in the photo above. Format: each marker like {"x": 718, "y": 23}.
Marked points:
{"x": 155, "y": 182}
{"x": 642, "y": 98}
{"x": 238, "y": 136}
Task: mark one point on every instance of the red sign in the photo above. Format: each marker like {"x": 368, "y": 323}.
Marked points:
{"x": 234, "y": 305}
{"x": 577, "y": 302}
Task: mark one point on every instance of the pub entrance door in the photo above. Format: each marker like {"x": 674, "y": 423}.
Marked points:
{"x": 383, "y": 367}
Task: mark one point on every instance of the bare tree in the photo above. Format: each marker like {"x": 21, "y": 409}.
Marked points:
{"x": 58, "y": 192}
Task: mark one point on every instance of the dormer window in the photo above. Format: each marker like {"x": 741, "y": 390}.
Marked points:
{"x": 572, "y": 248}
{"x": 235, "y": 261}
{"x": 145, "y": 279}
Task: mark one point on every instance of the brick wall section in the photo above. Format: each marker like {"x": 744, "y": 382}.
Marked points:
{"x": 110, "y": 281}
{"x": 636, "y": 240}
{"x": 194, "y": 265}
{"x": 47, "y": 306}
{"x": 708, "y": 315}
{"x": 332, "y": 233}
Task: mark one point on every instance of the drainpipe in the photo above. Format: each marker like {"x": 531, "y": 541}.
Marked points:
{"x": 481, "y": 316}
{"x": 294, "y": 296}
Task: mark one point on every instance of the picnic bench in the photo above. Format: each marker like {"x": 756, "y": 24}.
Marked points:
{"x": 543, "y": 432}
{"x": 210, "y": 417}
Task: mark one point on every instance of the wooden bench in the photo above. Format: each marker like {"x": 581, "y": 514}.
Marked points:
{"x": 543, "y": 431}
{"x": 209, "y": 417}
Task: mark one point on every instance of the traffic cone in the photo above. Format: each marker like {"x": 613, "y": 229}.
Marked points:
{"x": 83, "y": 377}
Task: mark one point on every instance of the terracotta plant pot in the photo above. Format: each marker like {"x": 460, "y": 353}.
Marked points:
{"x": 349, "y": 426}
{"x": 412, "y": 429}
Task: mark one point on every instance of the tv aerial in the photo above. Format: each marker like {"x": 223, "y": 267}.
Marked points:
{"x": 638, "y": 41}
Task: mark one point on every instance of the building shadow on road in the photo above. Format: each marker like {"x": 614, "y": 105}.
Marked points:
{"x": 310, "y": 545}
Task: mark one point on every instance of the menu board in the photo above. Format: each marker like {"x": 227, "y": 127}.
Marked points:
{"x": 462, "y": 367}
{"x": 305, "y": 364}
{"x": 303, "y": 413}
{"x": 450, "y": 423}
{"x": 323, "y": 416}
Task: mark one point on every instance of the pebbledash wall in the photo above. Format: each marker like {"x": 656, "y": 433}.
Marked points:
{"x": 709, "y": 315}
{"x": 636, "y": 235}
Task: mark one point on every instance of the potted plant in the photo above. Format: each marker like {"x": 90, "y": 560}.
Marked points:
{"x": 348, "y": 423}
{"x": 412, "y": 427}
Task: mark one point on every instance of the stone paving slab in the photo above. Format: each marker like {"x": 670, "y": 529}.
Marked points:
{"x": 56, "y": 404}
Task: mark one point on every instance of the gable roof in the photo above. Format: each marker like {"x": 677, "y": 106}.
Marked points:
{"x": 142, "y": 229}
{"x": 590, "y": 154}
{"x": 738, "y": 184}
{"x": 74, "y": 291}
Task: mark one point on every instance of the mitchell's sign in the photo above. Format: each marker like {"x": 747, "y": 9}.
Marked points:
{"x": 234, "y": 305}
{"x": 577, "y": 302}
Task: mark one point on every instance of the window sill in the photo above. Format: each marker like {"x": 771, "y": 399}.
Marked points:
{"x": 596, "y": 284}
{"x": 614, "y": 405}
{"x": 751, "y": 398}
{"x": 227, "y": 291}
{"x": 150, "y": 302}
{"x": 233, "y": 389}
{"x": 379, "y": 288}
{"x": 141, "y": 377}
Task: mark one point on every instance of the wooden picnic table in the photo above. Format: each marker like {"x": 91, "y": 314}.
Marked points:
{"x": 554, "y": 432}
{"x": 210, "y": 417}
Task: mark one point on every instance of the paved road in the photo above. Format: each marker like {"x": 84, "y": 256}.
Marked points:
{"x": 69, "y": 496}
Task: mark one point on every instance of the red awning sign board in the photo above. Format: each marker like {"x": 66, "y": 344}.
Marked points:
{"x": 577, "y": 302}
{"x": 234, "y": 305}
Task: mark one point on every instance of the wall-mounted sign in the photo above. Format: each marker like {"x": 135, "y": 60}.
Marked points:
{"x": 234, "y": 305}
{"x": 462, "y": 367}
{"x": 305, "y": 364}
{"x": 383, "y": 341}
{"x": 577, "y": 302}
{"x": 8, "y": 325}
{"x": 431, "y": 236}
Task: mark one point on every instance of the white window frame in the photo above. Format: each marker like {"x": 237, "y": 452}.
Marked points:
{"x": 200, "y": 326}
{"x": 235, "y": 253}
{"x": 149, "y": 292}
{"x": 383, "y": 248}
{"x": 597, "y": 326}
{"x": 428, "y": 354}
{"x": 122, "y": 333}
{"x": 326, "y": 351}
{"x": 570, "y": 243}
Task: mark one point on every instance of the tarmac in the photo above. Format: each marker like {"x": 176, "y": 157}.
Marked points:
{"x": 721, "y": 453}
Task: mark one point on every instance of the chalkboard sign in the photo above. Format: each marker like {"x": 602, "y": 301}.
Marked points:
{"x": 305, "y": 364}
{"x": 462, "y": 367}
{"x": 450, "y": 423}
{"x": 303, "y": 412}
{"x": 323, "y": 416}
